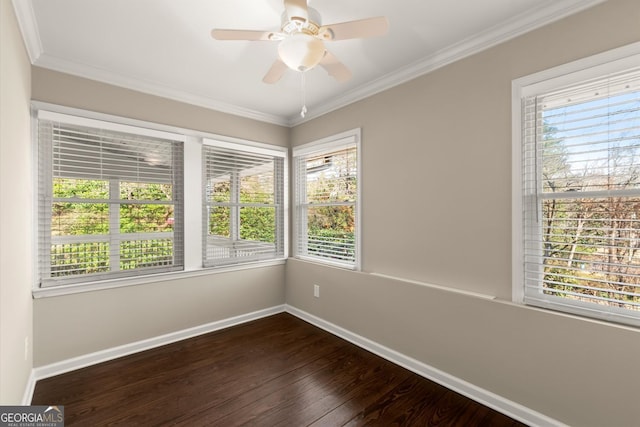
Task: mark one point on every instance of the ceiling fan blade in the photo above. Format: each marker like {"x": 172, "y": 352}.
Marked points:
{"x": 296, "y": 9}
{"x": 362, "y": 28}
{"x": 335, "y": 68}
{"x": 275, "y": 72}
{"x": 243, "y": 35}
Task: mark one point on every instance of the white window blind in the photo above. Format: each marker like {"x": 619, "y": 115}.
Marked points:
{"x": 244, "y": 204}
{"x": 110, "y": 201}
{"x": 327, "y": 200}
{"x": 581, "y": 197}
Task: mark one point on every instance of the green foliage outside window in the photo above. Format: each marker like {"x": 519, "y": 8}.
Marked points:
{"x": 87, "y": 213}
{"x": 256, "y": 223}
{"x": 331, "y": 178}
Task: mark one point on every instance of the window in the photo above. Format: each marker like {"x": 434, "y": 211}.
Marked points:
{"x": 116, "y": 205}
{"x": 579, "y": 152}
{"x": 110, "y": 200}
{"x": 244, "y": 203}
{"x": 327, "y": 201}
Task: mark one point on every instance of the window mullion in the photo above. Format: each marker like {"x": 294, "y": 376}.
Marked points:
{"x": 235, "y": 211}
{"x": 278, "y": 200}
{"x": 114, "y": 224}
{"x": 303, "y": 238}
{"x": 45, "y": 154}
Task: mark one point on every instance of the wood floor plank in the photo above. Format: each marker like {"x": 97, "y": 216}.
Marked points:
{"x": 246, "y": 401}
{"x": 313, "y": 396}
{"x": 274, "y": 371}
{"x": 363, "y": 399}
{"x": 242, "y": 387}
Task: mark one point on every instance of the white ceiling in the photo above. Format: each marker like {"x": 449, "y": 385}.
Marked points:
{"x": 164, "y": 47}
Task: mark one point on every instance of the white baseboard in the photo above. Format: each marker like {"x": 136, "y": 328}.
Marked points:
{"x": 135, "y": 347}
{"x": 485, "y": 397}
{"x": 28, "y": 391}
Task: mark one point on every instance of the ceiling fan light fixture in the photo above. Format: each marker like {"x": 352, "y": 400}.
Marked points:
{"x": 301, "y": 40}
{"x": 301, "y": 51}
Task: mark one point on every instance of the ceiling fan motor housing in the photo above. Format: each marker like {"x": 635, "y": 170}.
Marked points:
{"x": 299, "y": 24}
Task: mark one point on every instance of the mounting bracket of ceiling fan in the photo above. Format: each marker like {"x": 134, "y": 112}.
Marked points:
{"x": 302, "y": 38}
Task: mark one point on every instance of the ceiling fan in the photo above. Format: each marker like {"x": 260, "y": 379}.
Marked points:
{"x": 302, "y": 38}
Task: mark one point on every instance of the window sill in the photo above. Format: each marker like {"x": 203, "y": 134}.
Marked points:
{"x": 325, "y": 262}
{"x": 54, "y": 291}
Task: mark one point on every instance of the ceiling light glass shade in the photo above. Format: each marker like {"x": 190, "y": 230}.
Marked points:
{"x": 301, "y": 51}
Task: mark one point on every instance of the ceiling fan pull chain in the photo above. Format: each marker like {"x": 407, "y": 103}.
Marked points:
{"x": 303, "y": 112}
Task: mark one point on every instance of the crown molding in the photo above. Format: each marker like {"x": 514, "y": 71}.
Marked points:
{"x": 546, "y": 14}
{"x": 29, "y": 28}
{"x": 140, "y": 85}
{"x": 550, "y": 11}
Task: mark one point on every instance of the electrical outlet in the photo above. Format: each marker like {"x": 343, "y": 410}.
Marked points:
{"x": 316, "y": 291}
{"x": 26, "y": 348}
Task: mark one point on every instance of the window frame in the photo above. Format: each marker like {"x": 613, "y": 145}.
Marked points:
{"x": 574, "y": 73}
{"x": 280, "y": 203}
{"x": 192, "y": 194}
{"x": 114, "y": 237}
{"x": 326, "y": 145}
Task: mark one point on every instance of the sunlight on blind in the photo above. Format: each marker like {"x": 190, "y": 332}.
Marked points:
{"x": 582, "y": 196}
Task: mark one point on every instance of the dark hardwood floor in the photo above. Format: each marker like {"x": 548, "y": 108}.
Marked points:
{"x": 276, "y": 371}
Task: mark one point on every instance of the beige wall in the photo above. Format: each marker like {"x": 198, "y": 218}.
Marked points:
{"x": 80, "y": 324}
{"x": 16, "y": 213}
{"x": 437, "y": 208}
